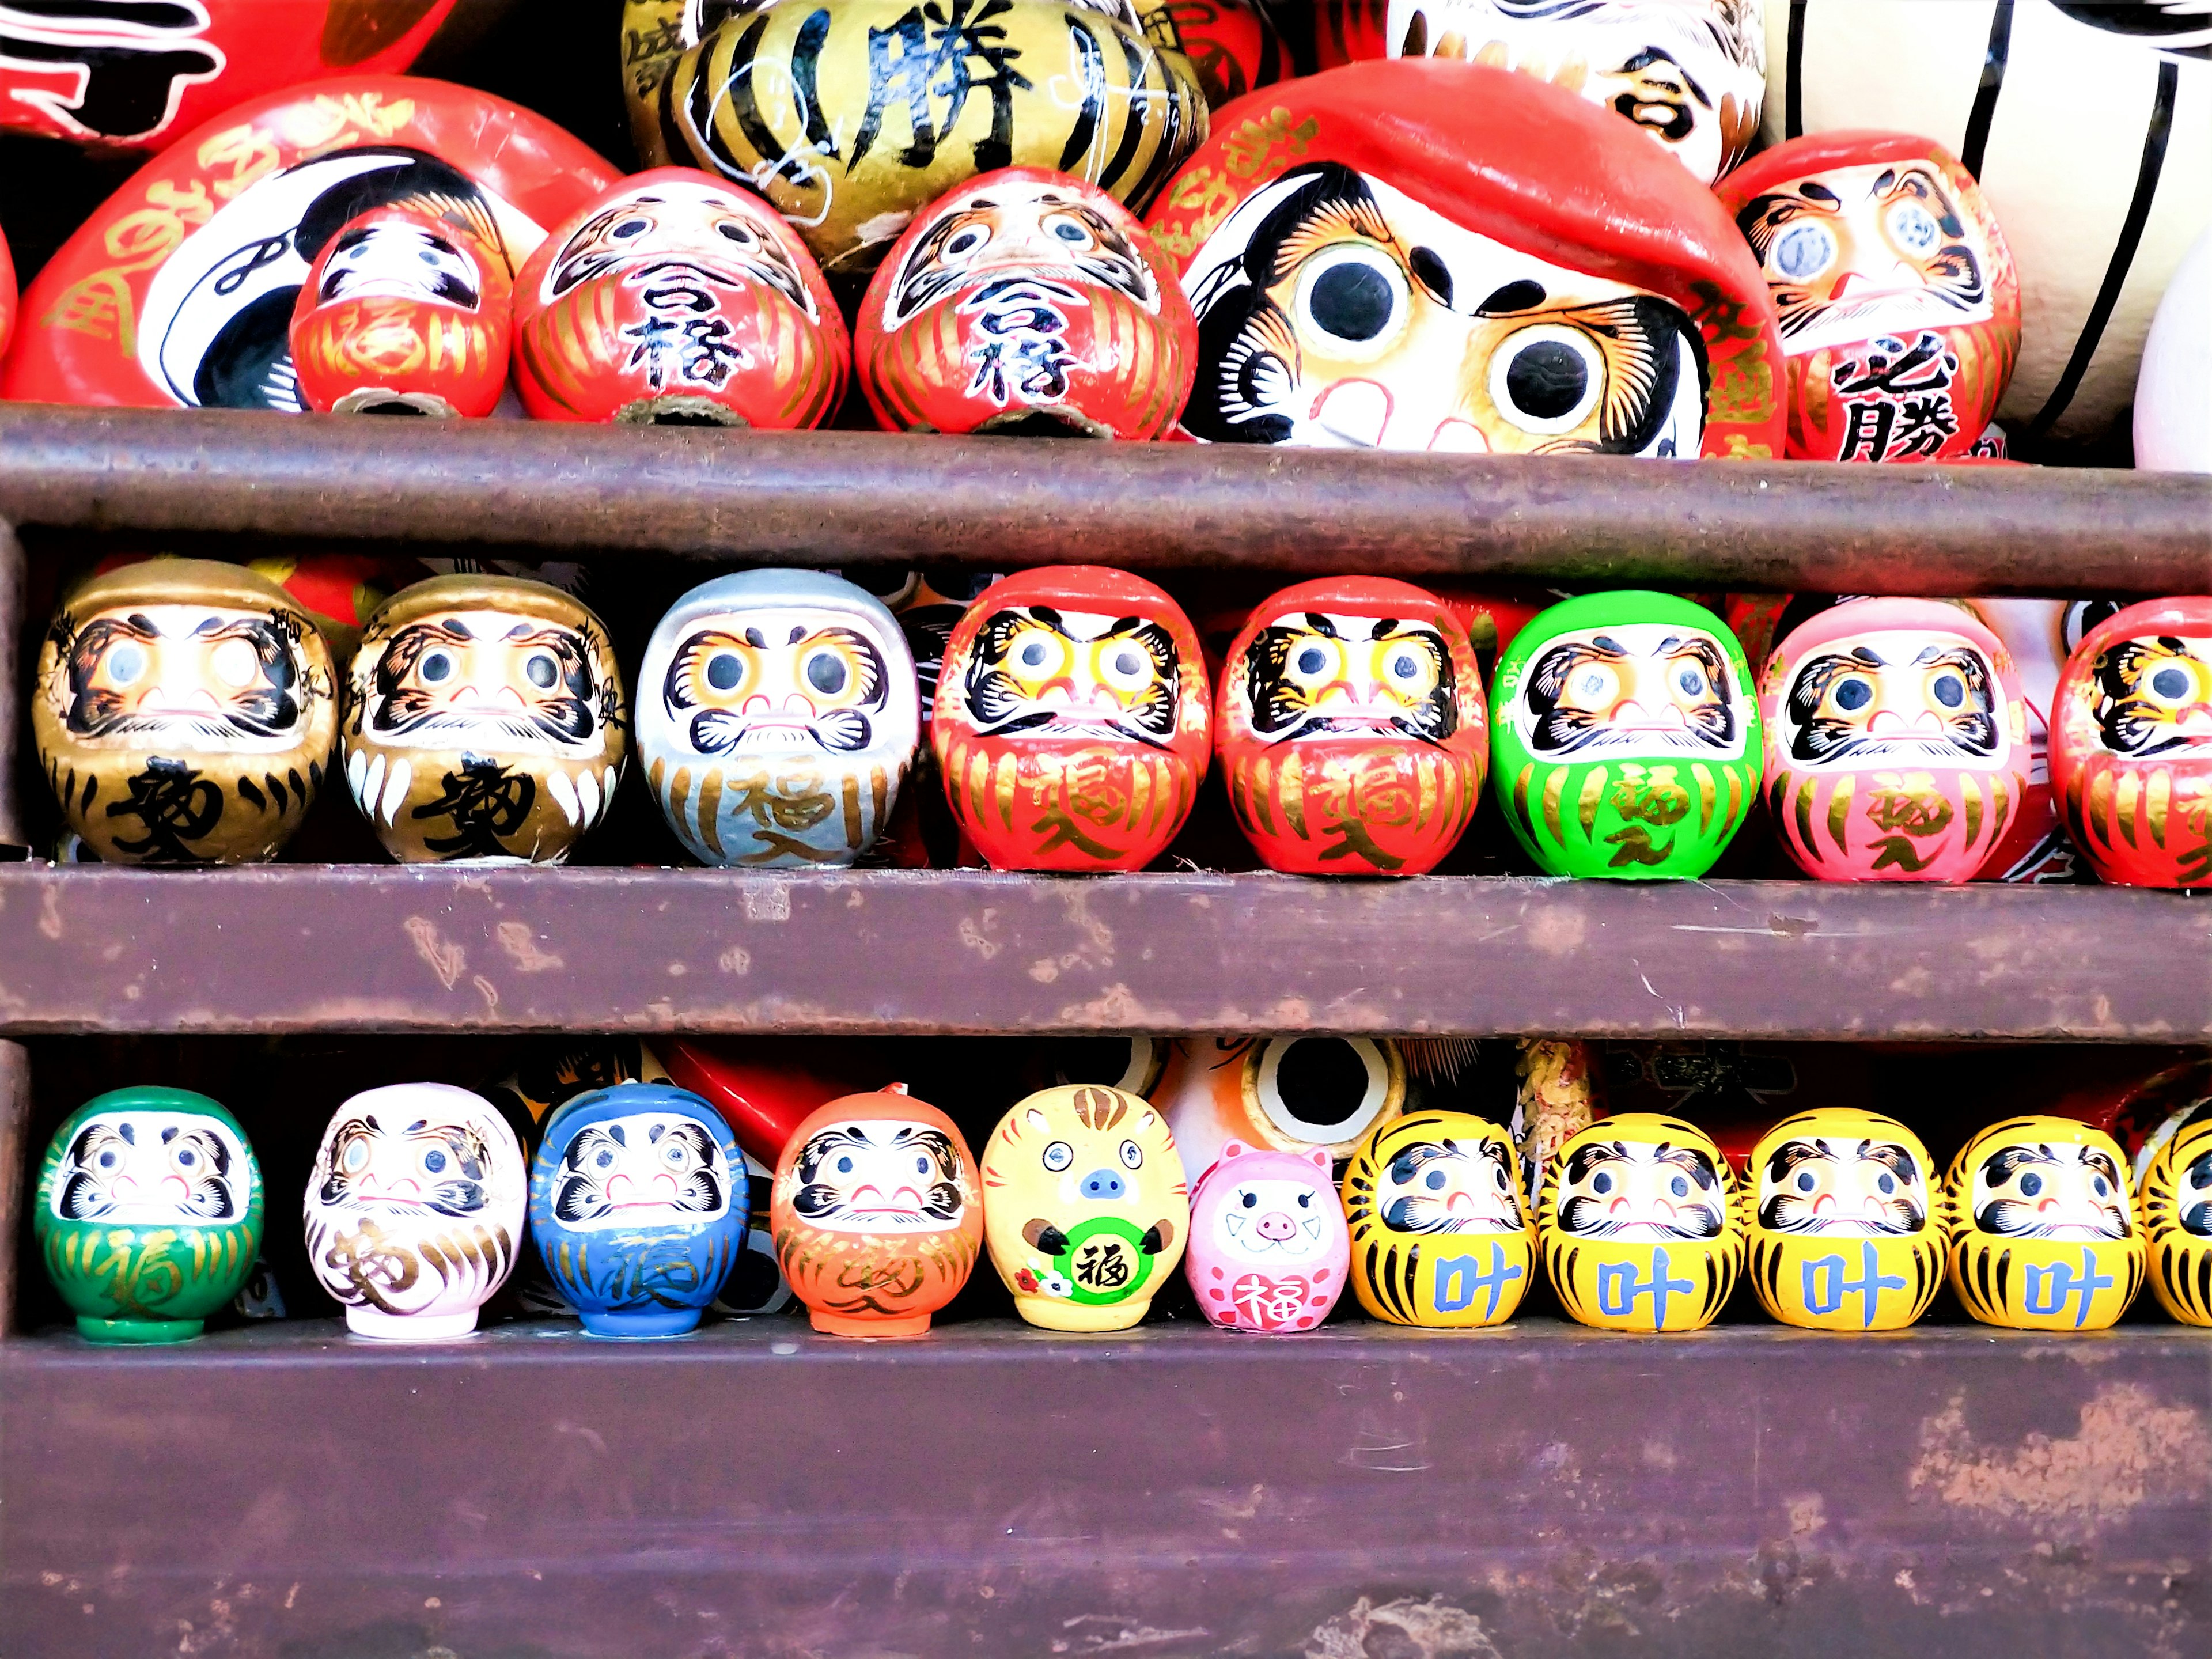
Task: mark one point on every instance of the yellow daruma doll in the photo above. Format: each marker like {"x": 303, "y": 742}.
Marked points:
{"x": 2043, "y": 1235}
{"x": 1441, "y": 1233}
{"x": 2177, "y": 1221}
{"x": 1843, "y": 1235}
{"x": 1640, "y": 1225}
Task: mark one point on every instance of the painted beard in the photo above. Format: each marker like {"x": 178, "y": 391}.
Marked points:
{"x": 399, "y": 262}
{"x": 1837, "y": 725}
{"x": 266, "y": 708}
{"x": 1001, "y": 705}
{"x": 1795, "y": 1208}
{"x": 1567, "y": 724}
{"x": 852, "y": 1182}
{"x": 1423, "y": 1210}
{"x": 2026, "y": 1194}
{"x": 561, "y": 714}
{"x": 104, "y": 1151}
{"x": 2155, "y": 696}
{"x": 1691, "y": 1211}
{"x": 1282, "y": 696}
{"x": 451, "y": 1157}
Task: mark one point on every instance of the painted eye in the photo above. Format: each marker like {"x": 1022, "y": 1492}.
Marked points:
{"x": 1950, "y": 691}
{"x": 185, "y": 1158}
{"x": 1547, "y": 380}
{"x": 1058, "y": 1155}
{"x": 2031, "y": 1183}
{"x": 126, "y": 663}
{"x": 1353, "y": 297}
{"x": 2100, "y": 1185}
{"x": 1251, "y": 1200}
{"x": 1402, "y": 1170}
{"x": 1887, "y": 1182}
{"x": 603, "y": 1160}
{"x": 436, "y": 667}
{"x": 1066, "y": 227}
{"x": 1805, "y": 1181}
{"x": 1404, "y": 662}
{"x": 1601, "y": 1182}
{"x": 1914, "y": 230}
{"x": 2200, "y": 1175}
{"x": 1679, "y": 1187}
{"x": 541, "y": 670}
{"x": 921, "y": 1166}
{"x": 1124, "y": 667}
{"x": 234, "y": 663}
{"x": 826, "y": 673}
{"x": 844, "y": 1166}
{"x": 732, "y": 230}
{"x": 2169, "y": 685}
{"x": 723, "y": 670}
{"x": 629, "y": 227}
{"x": 675, "y": 1155}
{"x": 1038, "y": 655}
{"x": 967, "y": 241}
{"x": 434, "y": 1162}
{"x": 1853, "y": 693}
{"x": 1692, "y": 682}
{"x": 1436, "y": 1181}
{"x": 355, "y": 1160}
{"x": 1313, "y": 664}
{"x": 1593, "y": 686}
{"x": 108, "y": 1160}
{"x": 1306, "y": 1201}
{"x": 1132, "y": 1155}
{"x": 1802, "y": 251}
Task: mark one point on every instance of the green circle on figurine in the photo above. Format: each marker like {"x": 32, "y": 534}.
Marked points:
{"x": 1104, "y": 1261}
{"x": 148, "y": 1213}
{"x": 1625, "y": 736}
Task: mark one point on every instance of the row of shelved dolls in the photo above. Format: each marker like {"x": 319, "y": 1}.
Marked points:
{"x": 188, "y": 712}
{"x": 658, "y": 1183}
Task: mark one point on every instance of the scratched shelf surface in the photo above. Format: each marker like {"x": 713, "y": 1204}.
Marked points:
{"x": 381, "y": 948}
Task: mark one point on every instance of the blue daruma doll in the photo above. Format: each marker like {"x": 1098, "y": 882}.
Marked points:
{"x": 637, "y": 1199}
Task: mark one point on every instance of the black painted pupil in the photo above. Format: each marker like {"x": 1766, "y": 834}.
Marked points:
{"x": 960, "y": 244}
{"x": 1547, "y": 380}
{"x": 1306, "y": 1201}
{"x": 629, "y": 227}
{"x": 541, "y": 671}
{"x": 1251, "y": 1200}
{"x": 1602, "y": 1182}
{"x": 1679, "y": 1187}
{"x": 186, "y": 1160}
{"x": 723, "y": 671}
{"x": 921, "y": 1166}
{"x": 1404, "y": 667}
{"x": 2169, "y": 683}
{"x": 2099, "y": 1183}
{"x": 1312, "y": 660}
{"x": 1692, "y": 681}
{"x": 1950, "y": 690}
{"x": 1805, "y": 1181}
{"x": 1854, "y": 695}
{"x": 437, "y": 666}
{"x": 1435, "y": 1183}
{"x": 605, "y": 1160}
{"x": 825, "y": 673}
{"x": 434, "y": 1162}
{"x": 1888, "y": 1183}
{"x": 1353, "y": 301}
{"x": 2030, "y": 1184}
{"x": 1033, "y": 654}
{"x": 844, "y": 1166}
{"x": 733, "y": 232}
{"x": 1068, "y": 231}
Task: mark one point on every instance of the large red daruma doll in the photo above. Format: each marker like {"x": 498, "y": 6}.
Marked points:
{"x": 1896, "y": 742}
{"x": 1898, "y": 303}
{"x": 2131, "y": 745}
{"x": 1423, "y": 254}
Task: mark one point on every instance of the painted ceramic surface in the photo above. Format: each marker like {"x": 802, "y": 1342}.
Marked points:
{"x": 1896, "y": 742}
{"x": 1691, "y": 76}
{"x": 1449, "y": 257}
{"x": 2131, "y": 745}
{"x": 414, "y": 1210}
{"x": 2090, "y": 128}
{"x": 637, "y": 1202}
{"x": 1624, "y": 742}
{"x": 1232, "y": 45}
{"x": 8, "y": 296}
{"x": 2177, "y": 1219}
{"x": 2173, "y": 410}
{"x": 1073, "y": 725}
{"x": 1026, "y": 301}
{"x": 2042, "y": 1226}
{"x": 1845, "y": 1235}
{"x": 1086, "y": 1207}
{"x": 1641, "y": 1224}
{"x": 1899, "y": 304}
{"x": 777, "y": 716}
{"x": 851, "y": 116}
{"x": 180, "y": 289}
{"x": 1441, "y": 1232}
{"x": 1268, "y": 1245}
{"x": 1352, "y": 729}
{"x": 678, "y": 297}
{"x": 183, "y": 714}
{"x": 148, "y": 1213}
{"x": 1280, "y": 1094}
{"x": 485, "y": 722}
{"x": 877, "y": 1214}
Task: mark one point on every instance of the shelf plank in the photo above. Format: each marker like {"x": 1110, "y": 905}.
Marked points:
{"x": 853, "y": 498}
{"x": 1171, "y": 1492}
{"x": 383, "y": 948}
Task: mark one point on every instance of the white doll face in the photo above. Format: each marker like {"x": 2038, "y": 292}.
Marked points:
{"x": 1448, "y": 1186}
{"x": 1895, "y": 697}
{"x": 673, "y": 234}
{"x": 400, "y": 258}
{"x": 776, "y": 679}
{"x": 1638, "y": 691}
{"x": 2046, "y": 1189}
{"x": 875, "y": 1176}
{"x": 1849, "y": 1186}
{"x": 207, "y": 676}
{"x": 1641, "y": 1191}
{"x": 153, "y": 1167}
{"x": 647, "y": 1169}
{"x": 491, "y": 679}
{"x": 1273, "y": 1221}
{"x": 402, "y": 1163}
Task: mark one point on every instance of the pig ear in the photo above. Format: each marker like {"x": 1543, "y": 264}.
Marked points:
{"x": 1318, "y": 1157}
{"x": 1233, "y": 1147}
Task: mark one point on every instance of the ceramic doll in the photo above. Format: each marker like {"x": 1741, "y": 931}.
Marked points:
{"x": 184, "y": 713}
{"x": 1900, "y": 305}
{"x": 776, "y": 718}
{"x": 1845, "y": 1235}
{"x": 1457, "y": 259}
{"x": 1352, "y": 729}
{"x": 485, "y": 722}
{"x": 2173, "y": 416}
{"x": 2131, "y": 745}
{"x": 1232, "y": 45}
{"x": 2042, "y": 1226}
{"x": 1268, "y": 1247}
{"x": 1073, "y": 725}
{"x": 1441, "y": 1233}
{"x": 1084, "y": 1206}
{"x": 1027, "y": 301}
{"x": 877, "y": 1214}
{"x": 1624, "y": 742}
{"x": 148, "y": 1213}
{"x": 2177, "y": 1219}
{"x": 7, "y": 296}
{"x": 414, "y": 1210}
{"x": 1641, "y": 1226}
{"x": 1896, "y": 742}
{"x": 637, "y": 1201}
{"x": 678, "y": 298}
{"x": 1285, "y": 1094}
{"x": 1691, "y": 76}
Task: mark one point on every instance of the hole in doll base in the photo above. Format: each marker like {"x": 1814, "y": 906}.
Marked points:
{"x": 678, "y": 411}
{"x": 382, "y": 400}
{"x": 1044, "y": 424}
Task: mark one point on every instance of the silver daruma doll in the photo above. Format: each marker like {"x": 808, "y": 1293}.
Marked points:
{"x": 414, "y": 1213}
{"x": 777, "y": 716}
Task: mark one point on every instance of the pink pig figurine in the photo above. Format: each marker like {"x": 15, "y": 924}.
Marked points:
{"x": 1268, "y": 1246}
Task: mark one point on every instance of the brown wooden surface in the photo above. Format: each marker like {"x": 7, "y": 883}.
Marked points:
{"x": 851, "y": 498}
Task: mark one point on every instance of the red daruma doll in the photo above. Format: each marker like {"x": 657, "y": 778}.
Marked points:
{"x": 1896, "y": 742}
{"x": 1351, "y": 726}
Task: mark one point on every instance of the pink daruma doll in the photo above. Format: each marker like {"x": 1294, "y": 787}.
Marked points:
{"x": 1896, "y": 742}
{"x": 1268, "y": 1244}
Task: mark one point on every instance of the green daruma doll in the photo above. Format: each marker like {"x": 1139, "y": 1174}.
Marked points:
{"x": 1625, "y": 741}
{"x": 148, "y": 1213}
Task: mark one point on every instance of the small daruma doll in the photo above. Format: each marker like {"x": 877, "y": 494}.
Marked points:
{"x": 2042, "y": 1226}
{"x": 1084, "y": 1206}
{"x": 1639, "y": 1224}
{"x": 148, "y": 1213}
{"x": 1441, "y": 1234}
{"x": 1027, "y": 301}
{"x": 184, "y": 713}
{"x": 1896, "y": 742}
{"x": 1900, "y": 305}
{"x": 1352, "y": 727}
{"x": 1269, "y": 1249}
{"x": 1625, "y": 741}
{"x": 414, "y": 1211}
{"x": 2131, "y": 745}
{"x": 2177, "y": 1219}
{"x": 1073, "y": 724}
{"x": 676, "y": 298}
{"x": 485, "y": 722}
{"x": 776, "y": 717}
{"x": 404, "y": 314}
{"x": 877, "y": 1214}
{"x": 1843, "y": 1233}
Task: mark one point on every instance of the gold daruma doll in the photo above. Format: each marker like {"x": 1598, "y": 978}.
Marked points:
{"x": 2177, "y": 1221}
{"x": 1441, "y": 1234}
{"x": 2043, "y": 1233}
{"x": 1844, "y": 1236}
